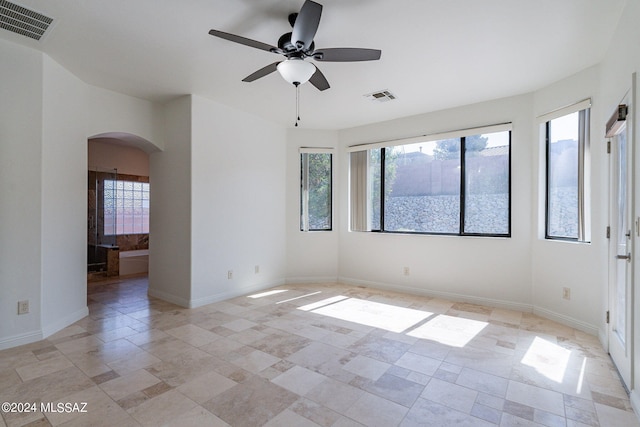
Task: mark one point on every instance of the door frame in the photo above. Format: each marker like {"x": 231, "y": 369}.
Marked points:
{"x": 623, "y": 359}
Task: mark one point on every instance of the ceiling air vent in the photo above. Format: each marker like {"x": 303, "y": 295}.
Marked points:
{"x": 23, "y": 21}
{"x": 380, "y": 96}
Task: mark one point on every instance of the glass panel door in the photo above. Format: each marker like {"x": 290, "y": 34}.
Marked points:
{"x": 621, "y": 252}
{"x": 101, "y": 199}
{"x": 623, "y": 235}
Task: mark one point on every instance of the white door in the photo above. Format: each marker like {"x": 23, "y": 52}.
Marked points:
{"x": 621, "y": 252}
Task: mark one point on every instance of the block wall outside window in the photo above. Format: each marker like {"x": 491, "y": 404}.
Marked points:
{"x": 459, "y": 185}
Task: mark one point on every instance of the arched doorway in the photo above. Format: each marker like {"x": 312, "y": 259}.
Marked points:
{"x": 118, "y": 205}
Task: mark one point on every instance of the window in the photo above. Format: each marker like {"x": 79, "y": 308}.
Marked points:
{"x": 315, "y": 190}
{"x": 126, "y": 207}
{"x": 423, "y": 182}
{"x": 457, "y": 186}
{"x": 487, "y": 184}
{"x": 567, "y": 153}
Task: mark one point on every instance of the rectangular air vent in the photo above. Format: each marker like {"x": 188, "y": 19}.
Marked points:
{"x": 381, "y": 96}
{"x": 23, "y": 21}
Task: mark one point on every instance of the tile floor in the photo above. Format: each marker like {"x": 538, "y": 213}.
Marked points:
{"x": 312, "y": 355}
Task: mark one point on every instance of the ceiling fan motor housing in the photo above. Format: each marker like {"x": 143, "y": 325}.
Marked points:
{"x": 284, "y": 43}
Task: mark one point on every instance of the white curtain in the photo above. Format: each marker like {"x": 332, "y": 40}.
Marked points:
{"x": 584, "y": 177}
{"x": 359, "y": 190}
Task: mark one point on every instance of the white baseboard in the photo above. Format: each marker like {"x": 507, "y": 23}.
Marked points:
{"x": 69, "y": 319}
{"x": 566, "y": 320}
{"x": 312, "y": 279}
{"x": 221, "y": 296}
{"x": 46, "y": 331}
{"x": 166, "y": 296}
{"x": 217, "y": 297}
{"x": 491, "y": 302}
{"x": 604, "y": 339}
{"x": 21, "y": 339}
{"x": 508, "y": 305}
{"x": 635, "y": 402}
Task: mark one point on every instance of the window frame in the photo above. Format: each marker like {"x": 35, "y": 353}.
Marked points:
{"x": 117, "y": 200}
{"x": 463, "y": 194}
{"x": 583, "y": 218}
{"x": 462, "y": 135}
{"x": 304, "y": 195}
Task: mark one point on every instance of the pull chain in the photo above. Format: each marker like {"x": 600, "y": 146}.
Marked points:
{"x": 297, "y": 102}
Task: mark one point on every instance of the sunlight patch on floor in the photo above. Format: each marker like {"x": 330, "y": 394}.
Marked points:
{"x": 581, "y": 377}
{"x": 449, "y": 330}
{"x": 322, "y": 303}
{"x": 300, "y": 297}
{"x": 268, "y": 293}
{"x": 547, "y": 358}
{"x": 369, "y": 313}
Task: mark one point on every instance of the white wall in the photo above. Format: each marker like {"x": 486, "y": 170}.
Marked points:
{"x": 237, "y": 202}
{"x": 490, "y": 270}
{"x": 20, "y": 192}
{"x": 64, "y": 199}
{"x": 170, "y": 208}
{"x": 525, "y": 271}
{"x": 105, "y": 154}
{"x": 311, "y": 256}
{"x": 218, "y": 204}
{"x": 46, "y": 116}
{"x": 115, "y": 112}
{"x": 620, "y": 62}
{"x": 555, "y": 264}
{"x": 237, "y": 181}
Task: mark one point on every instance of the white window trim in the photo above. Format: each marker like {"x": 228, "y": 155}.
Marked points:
{"x": 316, "y": 150}
{"x": 304, "y": 215}
{"x": 432, "y": 137}
{"x": 566, "y": 110}
{"x": 356, "y": 221}
{"x": 584, "y": 172}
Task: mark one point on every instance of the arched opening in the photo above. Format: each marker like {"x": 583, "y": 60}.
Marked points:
{"x": 118, "y": 206}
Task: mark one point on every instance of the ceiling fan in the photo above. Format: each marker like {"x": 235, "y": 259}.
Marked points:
{"x": 297, "y": 46}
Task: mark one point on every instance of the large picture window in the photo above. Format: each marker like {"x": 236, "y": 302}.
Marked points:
{"x": 567, "y": 153}
{"x": 315, "y": 190}
{"x": 459, "y": 185}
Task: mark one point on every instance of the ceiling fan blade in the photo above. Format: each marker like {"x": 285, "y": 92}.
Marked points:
{"x": 346, "y": 54}
{"x": 262, "y": 72}
{"x": 243, "y": 40}
{"x": 319, "y": 80}
{"x": 306, "y": 25}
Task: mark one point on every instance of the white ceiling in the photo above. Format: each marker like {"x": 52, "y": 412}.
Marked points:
{"x": 436, "y": 54}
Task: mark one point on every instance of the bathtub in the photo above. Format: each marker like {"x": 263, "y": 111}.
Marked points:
{"x": 134, "y": 262}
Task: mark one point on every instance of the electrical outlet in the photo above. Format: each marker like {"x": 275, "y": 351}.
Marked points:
{"x": 256, "y": 269}
{"x": 406, "y": 271}
{"x": 23, "y": 307}
{"x": 230, "y": 274}
{"x": 566, "y": 293}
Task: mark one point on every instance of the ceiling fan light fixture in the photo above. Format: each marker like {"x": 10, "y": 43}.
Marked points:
{"x": 296, "y": 71}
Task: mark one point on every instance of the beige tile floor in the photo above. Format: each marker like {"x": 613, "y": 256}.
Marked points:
{"x": 311, "y": 355}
